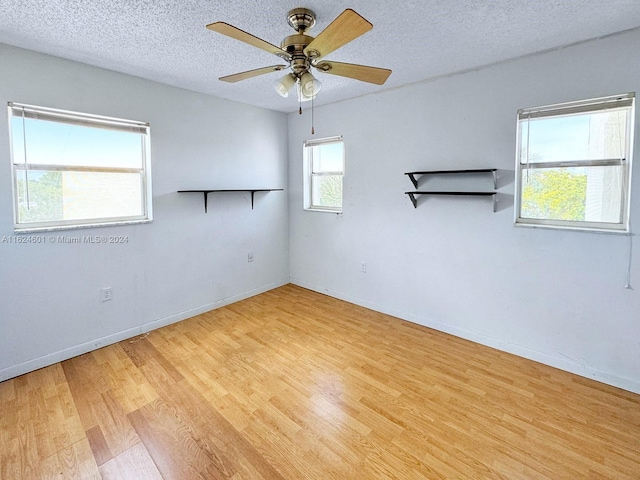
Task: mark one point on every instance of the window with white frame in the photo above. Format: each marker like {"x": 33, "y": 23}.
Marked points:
{"x": 573, "y": 167}
{"x": 323, "y": 172}
{"x": 74, "y": 169}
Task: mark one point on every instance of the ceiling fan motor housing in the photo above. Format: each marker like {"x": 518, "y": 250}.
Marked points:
{"x": 301, "y": 19}
{"x": 295, "y": 45}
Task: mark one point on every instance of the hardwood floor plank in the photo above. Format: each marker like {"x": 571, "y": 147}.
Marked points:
{"x": 129, "y": 388}
{"x": 37, "y": 420}
{"x": 267, "y": 438}
{"x": 103, "y": 418}
{"x": 70, "y": 463}
{"x": 178, "y": 450}
{"x": 142, "y": 353}
{"x": 132, "y": 464}
{"x": 216, "y": 446}
{"x": 98, "y": 445}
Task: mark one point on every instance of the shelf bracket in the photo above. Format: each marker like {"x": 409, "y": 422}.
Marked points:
{"x": 495, "y": 180}
{"x": 414, "y": 180}
{"x": 413, "y": 198}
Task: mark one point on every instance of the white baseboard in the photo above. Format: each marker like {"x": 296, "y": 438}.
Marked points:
{"x": 561, "y": 363}
{"x": 67, "y": 353}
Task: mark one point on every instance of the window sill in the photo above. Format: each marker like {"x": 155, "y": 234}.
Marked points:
{"x": 324, "y": 210}
{"x": 611, "y": 230}
{"x": 28, "y": 230}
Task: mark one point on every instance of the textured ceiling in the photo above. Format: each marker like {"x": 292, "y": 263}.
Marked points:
{"x": 166, "y": 40}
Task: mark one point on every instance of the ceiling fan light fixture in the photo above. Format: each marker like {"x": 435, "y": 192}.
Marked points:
{"x": 303, "y": 97}
{"x": 310, "y": 85}
{"x": 284, "y": 84}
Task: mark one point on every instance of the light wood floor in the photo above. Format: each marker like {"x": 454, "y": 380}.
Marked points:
{"x": 291, "y": 384}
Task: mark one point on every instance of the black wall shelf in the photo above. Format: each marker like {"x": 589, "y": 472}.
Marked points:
{"x": 414, "y": 200}
{"x": 252, "y": 190}
{"x": 414, "y": 180}
{"x": 492, "y": 171}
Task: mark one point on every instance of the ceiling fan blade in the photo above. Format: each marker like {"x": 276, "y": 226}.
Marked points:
{"x": 359, "y": 72}
{"x": 234, "y": 32}
{"x": 236, "y": 77}
{"x": 346, "y": 27}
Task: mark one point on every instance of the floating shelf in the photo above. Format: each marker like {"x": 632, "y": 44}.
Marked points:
{"x": 414, "y": 180}
{"x": 414, "y": 200}
{"x": 492, "y": 171}
{"x": 252, "y": 190}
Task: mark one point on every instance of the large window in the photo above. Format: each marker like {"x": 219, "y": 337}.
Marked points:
{"x": 73, "y": 169}
{"x": 324, "y": 169}
{"x": 573, "y": 166}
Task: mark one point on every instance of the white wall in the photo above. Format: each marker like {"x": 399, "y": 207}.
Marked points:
{"x": 182, "y": 263}
{"x": 553, "y": 296}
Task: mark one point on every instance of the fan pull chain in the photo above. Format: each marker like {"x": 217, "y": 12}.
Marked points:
{"x": 313, "y": 132}
{"x": 299, "y": 97}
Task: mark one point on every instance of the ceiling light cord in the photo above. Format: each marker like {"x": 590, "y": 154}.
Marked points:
{"x": 313, "y": 132}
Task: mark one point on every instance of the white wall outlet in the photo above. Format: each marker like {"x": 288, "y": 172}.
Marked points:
{"x": 250, "y": 257}
{"x": 106, "y": 294}
{"x": 363, "y": 267}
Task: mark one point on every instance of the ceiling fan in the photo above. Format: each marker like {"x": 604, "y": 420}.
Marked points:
{"x": 302, "y": 52}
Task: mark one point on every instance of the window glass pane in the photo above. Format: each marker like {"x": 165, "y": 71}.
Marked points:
{"x": 101, "y": 195}
{"x": 327, "y": 158}
{"x": 595, "y": 136}
{"x": 52, "y": 143}
{"x": 326, "y": 191}
{"x": 42, "y": 200}
{"x": 591, "y": 194}
{"x": 68, "y": 195}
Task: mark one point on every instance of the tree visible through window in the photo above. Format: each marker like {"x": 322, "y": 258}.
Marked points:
{"x": 574, "y": 164}
{"x": 555, "y": 193}
{"x": 45, "y": 198}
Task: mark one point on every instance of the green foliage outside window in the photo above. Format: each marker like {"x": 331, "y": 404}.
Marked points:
{"x": 331, "y": 191}
{"x": 43, "y": 201}
{"x": 554, "y": 193}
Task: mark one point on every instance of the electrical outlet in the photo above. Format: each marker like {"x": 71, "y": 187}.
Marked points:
{"x": 106, "y": 294}
{"x": 363, "y": 267}
{"x": 250, "y": 257}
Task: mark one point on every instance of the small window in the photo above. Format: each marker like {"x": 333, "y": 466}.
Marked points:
{"x": 75, "y": 170}
{"x": 573, "y": 164}
{"x": 324, "y": 170}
